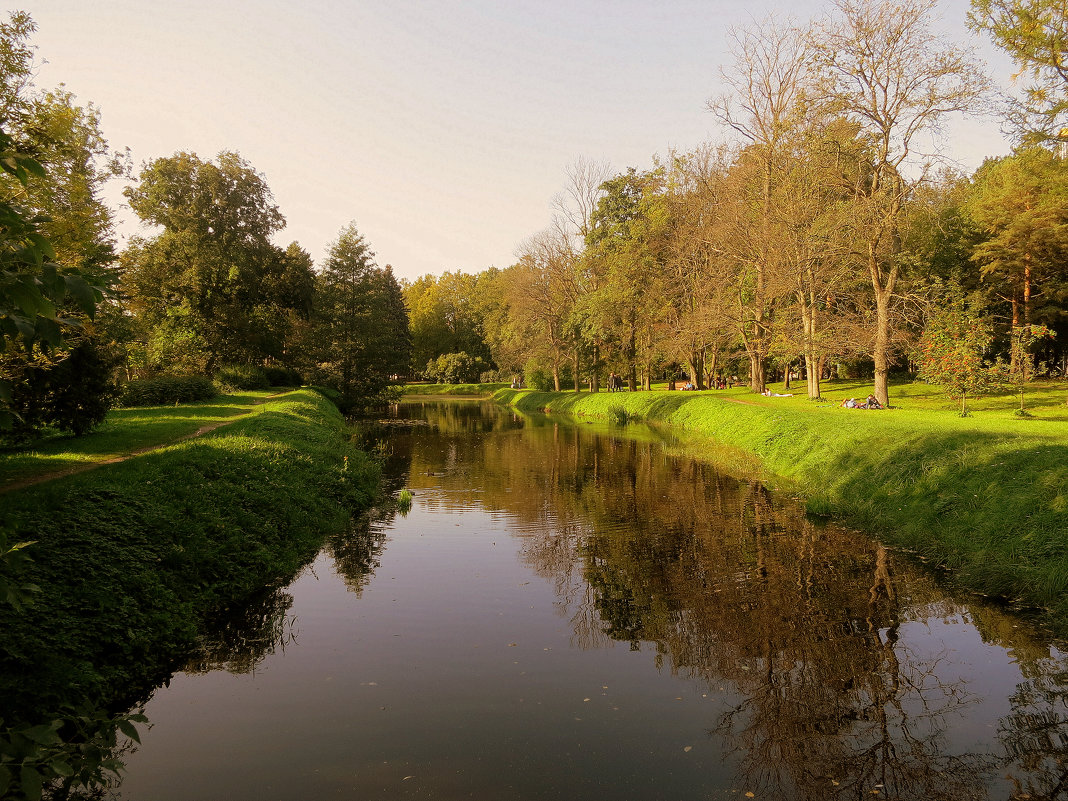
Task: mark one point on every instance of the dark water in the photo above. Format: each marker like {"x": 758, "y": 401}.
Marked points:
{"x": 565, "y": 614}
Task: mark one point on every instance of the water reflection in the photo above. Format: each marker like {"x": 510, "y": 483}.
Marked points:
{"x": 855, "y": 674}
{"x": 244, "y": 637}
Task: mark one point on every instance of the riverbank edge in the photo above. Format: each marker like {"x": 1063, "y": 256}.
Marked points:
{"x": 133, "y": 559}
{"x": 990, "y": 509}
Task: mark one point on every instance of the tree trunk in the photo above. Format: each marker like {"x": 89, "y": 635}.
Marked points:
{"x": 757, "y": 375}
{"x": 575, "y": 370}
{"x": 881, "y": 351}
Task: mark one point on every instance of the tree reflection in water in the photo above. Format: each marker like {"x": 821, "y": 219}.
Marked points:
{"x": 816, "y": 629}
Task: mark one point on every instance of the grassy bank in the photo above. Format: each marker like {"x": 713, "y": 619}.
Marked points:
{"x": 132, "y": 558}
{"x": 125, "y": 431}
{"x": 985, "y": 497}
{"x": 474, "y": 390}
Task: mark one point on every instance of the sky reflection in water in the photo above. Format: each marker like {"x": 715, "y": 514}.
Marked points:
{"x": 568, "y": 614}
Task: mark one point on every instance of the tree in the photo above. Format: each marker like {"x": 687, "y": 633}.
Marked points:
{"x": 447, "y": 316}
{"x": 768, "y": 84}
{"x": 1019, "y": 206}
{"x": 40, "y": 301}
{"x": 951, "y": 351}
{"x": 883, "y": 68}
{"x": 360, "y": 335}
{"x": 1035, "y": 34}
{"x": 1024, "y": 338}
{"x": 211, "y": 276}
{"x": 626, "y": 249}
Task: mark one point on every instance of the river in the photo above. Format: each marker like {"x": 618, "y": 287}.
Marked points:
{"x": 570, "y": 613}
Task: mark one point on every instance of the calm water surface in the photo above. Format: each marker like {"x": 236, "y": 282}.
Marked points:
{"x": 567, "y": 614}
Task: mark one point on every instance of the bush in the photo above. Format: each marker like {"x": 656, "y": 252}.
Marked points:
{"x": 241, "y": 377}
{"x": 167, "y": 390}
{"x": 538, "y": 379}
{"x": 455, "y": 368}
{"x": 283, "y": 376}
{"x": 74, "y": 394}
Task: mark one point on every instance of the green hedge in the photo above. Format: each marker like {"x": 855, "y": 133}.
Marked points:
{"x": 167, "y": 390}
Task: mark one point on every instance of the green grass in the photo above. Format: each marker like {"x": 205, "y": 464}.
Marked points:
{"x": 479, "y": 390}
{"x": 985, "y": 496}
{"x": 132, "y": 558}
{"x": 122, "y": 433}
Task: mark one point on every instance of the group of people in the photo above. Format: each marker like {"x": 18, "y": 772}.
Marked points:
{"x": 615, "y": 382}
{"x": 853, "y": 403}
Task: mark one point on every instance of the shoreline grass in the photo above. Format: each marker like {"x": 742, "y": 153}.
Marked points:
{"x": 451, "y": 390}
{"x": 134, "y": 557}
{"x": 985, "y": 497}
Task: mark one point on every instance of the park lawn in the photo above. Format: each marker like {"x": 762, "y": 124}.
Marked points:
{"x": 985, "y": 496}
{"x": 122, "y": 433}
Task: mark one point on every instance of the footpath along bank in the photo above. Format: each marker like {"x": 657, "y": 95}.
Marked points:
{"x": 986, "y": 500}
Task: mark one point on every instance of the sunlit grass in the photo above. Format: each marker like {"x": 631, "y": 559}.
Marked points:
{"x": 125, "y": 431}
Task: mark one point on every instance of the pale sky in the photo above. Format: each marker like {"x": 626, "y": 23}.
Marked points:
{"x": 442, "y": 128}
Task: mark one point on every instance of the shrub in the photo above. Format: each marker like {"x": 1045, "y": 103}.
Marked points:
{"x": 455, "y": 368}
{"x": 167, "y": 390}
{"x": 73, "y": 394}
{"x": 282, "y": 376}
{"x": 241, "y": 377}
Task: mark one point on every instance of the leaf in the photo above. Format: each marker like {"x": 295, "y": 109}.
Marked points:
{"x": 43, "y": 735}
{"x": 83, "y": 294}
{"x": 127, "y": 728}
{"x": 30, "y": 780}
{"x": 61, "y": 767}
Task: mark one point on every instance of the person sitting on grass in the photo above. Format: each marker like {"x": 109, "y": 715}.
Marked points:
{"x": 872, "y": 403}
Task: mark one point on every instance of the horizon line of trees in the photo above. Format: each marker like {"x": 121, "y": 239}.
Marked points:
{"x": 821, "y": 237}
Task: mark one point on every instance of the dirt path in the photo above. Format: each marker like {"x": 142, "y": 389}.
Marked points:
{"x": 82, "y": 468}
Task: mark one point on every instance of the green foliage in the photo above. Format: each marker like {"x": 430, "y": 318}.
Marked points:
{"x": 213, "y": 274}
{"x": 404, "y": 501}
{"x": 950, "y": 353}
{"x": 358, "y": 341}
{"x": 167, "y": 390}
{"x": 455, "y": 368}
{"x": 1023, "y": 339}
{"x": 33, "y": 289}
{"x": 538, "y": 378}
{"x": 484, "y": 389}
{"x": 76, "y": 750}
{"x": 235, "y": 377}
{"x": 13, "y": 561}
{"x": 448, "y": 315}
{"x": 1035, "y": 34}
{"x": 282, "y": 376}
{"x": 71, "y": 394}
